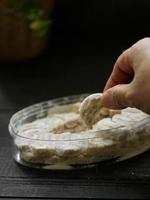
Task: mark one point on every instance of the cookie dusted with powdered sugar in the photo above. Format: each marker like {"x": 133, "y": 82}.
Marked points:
{"x": 91, "y": 110}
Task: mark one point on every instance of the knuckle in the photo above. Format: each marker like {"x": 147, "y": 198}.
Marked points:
{"x": 146, "y": 39}
{"x": 141, "y": 43}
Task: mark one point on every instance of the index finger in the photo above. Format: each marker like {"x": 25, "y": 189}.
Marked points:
{"x": 122, "y": 72}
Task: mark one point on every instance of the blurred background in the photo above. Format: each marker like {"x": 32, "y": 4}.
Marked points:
{"x": 84, "y": 40}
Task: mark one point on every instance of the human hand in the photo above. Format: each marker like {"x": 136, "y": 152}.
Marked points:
{"x": 129, "y": 83}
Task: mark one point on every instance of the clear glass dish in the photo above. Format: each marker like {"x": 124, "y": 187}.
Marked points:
{"x": 69, "y": 152}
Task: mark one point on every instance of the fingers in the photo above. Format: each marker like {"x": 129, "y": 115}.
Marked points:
{"x": 117, "y": 97}
{"x": 122, "y": 72}
{"x": 129, "y": 83}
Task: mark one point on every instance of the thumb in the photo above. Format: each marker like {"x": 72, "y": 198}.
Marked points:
{"x": 116, "y": 97}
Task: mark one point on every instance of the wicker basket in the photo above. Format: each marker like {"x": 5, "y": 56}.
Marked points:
{"x": 17, "y": 41}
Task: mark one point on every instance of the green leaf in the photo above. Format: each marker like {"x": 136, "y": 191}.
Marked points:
{"x": 31, "y": 14}
{"x": 31, "y": 11}
{"x": 40, "y": 26}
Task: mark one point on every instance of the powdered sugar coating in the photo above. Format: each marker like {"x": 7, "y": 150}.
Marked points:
{"x": 91, "y": 110}
{"x": 62, "y": 137}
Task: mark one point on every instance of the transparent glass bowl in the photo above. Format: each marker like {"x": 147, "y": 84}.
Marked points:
{"x": 39, "y": 153}
{"x": 73, "y": 152}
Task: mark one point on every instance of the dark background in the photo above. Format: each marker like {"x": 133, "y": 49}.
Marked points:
{"x": 85, "y": 39}
{"x": 102, "y": 21}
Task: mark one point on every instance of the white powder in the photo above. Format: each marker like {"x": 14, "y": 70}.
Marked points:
{"x": 63, "y": 139}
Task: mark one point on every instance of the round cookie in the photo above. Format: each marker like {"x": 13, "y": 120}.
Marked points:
{"x": 91, "y": 110}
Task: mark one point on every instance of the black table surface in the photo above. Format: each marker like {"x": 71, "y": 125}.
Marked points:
{"x": 55, "y": 74}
